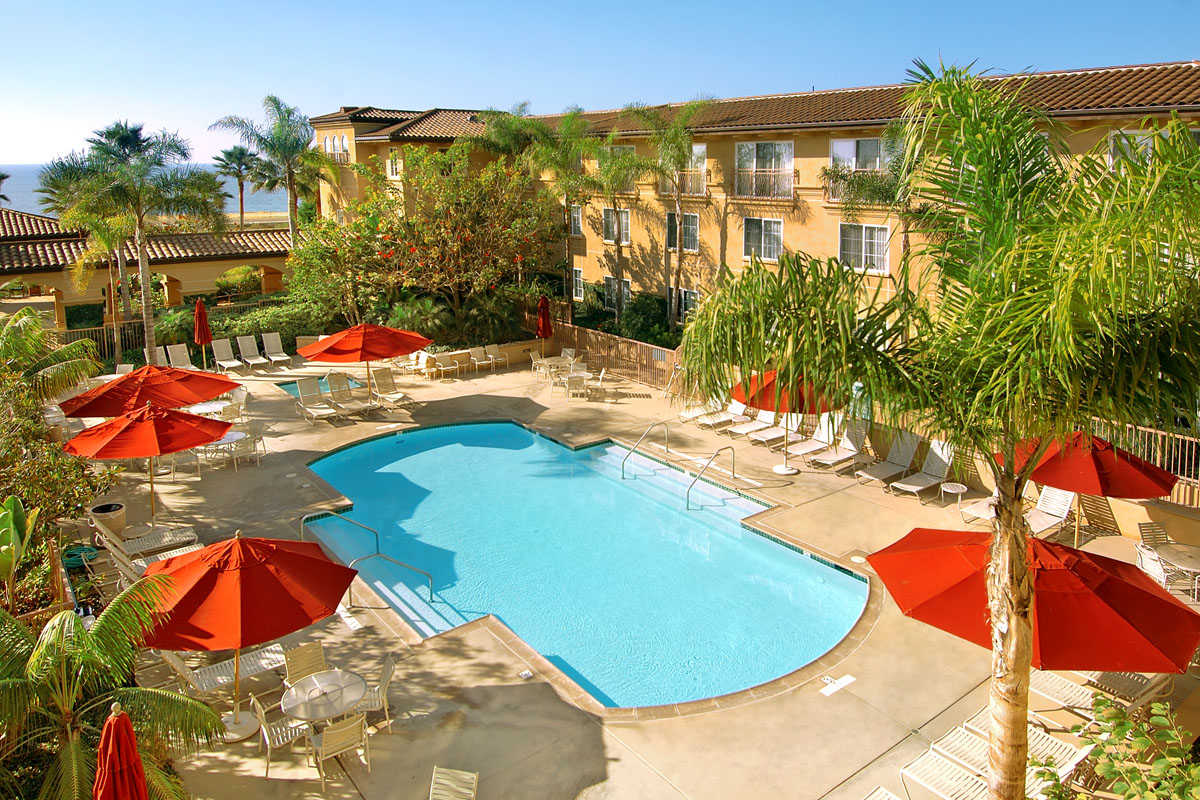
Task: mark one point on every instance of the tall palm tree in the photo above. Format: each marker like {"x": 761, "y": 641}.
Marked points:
{"x": 617, "y": 171}
{"x": 33, "y": 351}
{"x": 56, "y": 690}
{"x": 282, "y": 141}
{"x": 313, "y": 166}
{"x": 1059, "y": 295}
{"x": 510, "y": 133}
{"x": 237, "y": 162}
{"x": 671, "y": 137}
{"x": 3, "y": 177}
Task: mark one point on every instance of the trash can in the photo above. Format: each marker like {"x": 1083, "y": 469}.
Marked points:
{"x": 112, "y": 515}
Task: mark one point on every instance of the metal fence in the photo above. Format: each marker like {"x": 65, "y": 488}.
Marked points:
{"x": 629, "y": 359}
{"x": 1175, "y": 452}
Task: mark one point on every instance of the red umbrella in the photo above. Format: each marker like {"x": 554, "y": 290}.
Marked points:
{"x": 119, "y": 773}
{"x": 1089, "y": 611}
{"x": 146, "y": 432}
{"x": 545, "y": 329}
{"x": 242, "y": 592}
{"x": 201, "y": 333}
{"x": 803, "y": 398}
{"x": 364, "y": 343}
{"x": 164, "y": 386}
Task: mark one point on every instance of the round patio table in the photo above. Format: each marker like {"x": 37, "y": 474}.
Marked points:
{"x": 323, "y": 695}
{"x": 209, "y": 407}
{"x": 1184, "y": 557}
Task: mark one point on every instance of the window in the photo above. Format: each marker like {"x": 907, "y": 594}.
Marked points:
{"x": 345, "y": 144}
{"x": 337, "y": 147}
{"x": 856, "y": 153}
{"x": 762, "y": 236}
{"x": 692, "y": 180}
{"x": 610, "y": 293}
{"x": 691, "y": 232}
{"x": 340, "y": 216}
{"x": 688, "y": 300}
{"x": 864, "y": 247}
{"x": 610, "y": 231}
{"x": 764, "y": 169}
{"x": 576, "y": 220}
{"x": 327, "y": 145}
{"x": 577, "y": 284}
{"x": 393, "y": 163}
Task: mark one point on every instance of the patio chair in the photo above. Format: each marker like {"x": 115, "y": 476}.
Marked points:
{"x": 1068, "y": 695}
{"x": 480, "y": 358}
{"x": 1131, "y": 687}
{"x": 933, "y": 471}
{"x": 788, "y": 424}
{"x": 822, "y": 438}
{"x": 178, "y": 356}
{"x": 453, "y": 784}
{"x": 212, "y": 677}
{"x": 981, "y": 510}
{"x": 899, "y": 461}
{"x": 1098, "y": 516}
{"x": 851, "y": 450}
{"x": 383, "y": 389}
{"x": 1153, "y": 534}
{"x": 409, "y": 364}
{"x": 160, "y": 353}
{"x": 341, "y": 395}
{"x": 125, "y": 369}
{"x": 302, "y": 661}
{"x": 136, "y": 566}
{"x": 693, "y": 411}
{"x": 880, "y": 793}
{"x": 160, "y": 537}
{"x": 1150, "y": 563}
{"x": 493, "y": 352}
{"x": 941, "y": 776}
{"x": 273, "y": 349}
{"x": 223, "y": 356}
{"x": 570, "y": 383}
{"x": 278, "y": 734}
{"x": 242, "y": 449}
{"x": 248, "y": 350}
{"x": 1052, "y": 510}
{"x": 181, "y": 459}
{"x": 762, "y": 420}
{"x": 733, "y": 414}
{"x": 568, "y": 352}
{"x": 969, "y": 750}
{"x": 339, "y": 738}
{"x": 312, "y": 404}
{"x": 376, "y": 698}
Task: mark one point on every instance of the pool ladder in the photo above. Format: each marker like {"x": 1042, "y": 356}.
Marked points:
{"x": 666, "y": 443}
{"x": 325, "y": 514}
{"x": 687, "y": 500}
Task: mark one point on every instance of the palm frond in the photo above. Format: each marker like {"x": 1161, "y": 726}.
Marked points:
{"x": 178, "y": 721}
{"x": 162, "y": 784}
{"x": 71, "y": 774}
{"x": 114, "y": 639}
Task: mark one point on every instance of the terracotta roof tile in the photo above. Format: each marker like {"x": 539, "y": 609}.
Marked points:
{"x": 350, "y": 114}
{"x": 22, "y": 225}
{"x": 436, "y": 123}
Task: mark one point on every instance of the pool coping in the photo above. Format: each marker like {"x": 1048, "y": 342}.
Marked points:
{"x": 569, "y": 690}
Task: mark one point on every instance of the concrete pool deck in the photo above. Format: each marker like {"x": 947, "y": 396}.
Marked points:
{"x": 458, "y": 701}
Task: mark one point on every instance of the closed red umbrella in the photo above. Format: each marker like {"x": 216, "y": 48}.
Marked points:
{"x": 242, "y": 592}
{"x": 201, "y": 333}
{"x": 364, "y": 342}
{"x": 146, "y": 432}
{"x": 119, "y": 773}
{"x": 164, "y": 386}
{"x": 1089, "y": 612}
{"x": 545, "y": 328}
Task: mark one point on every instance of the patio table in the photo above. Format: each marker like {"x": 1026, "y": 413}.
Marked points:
{"x": 1184, "y": 557}
{"x": 209, "y": 407}
{"x": 323, "y": 695}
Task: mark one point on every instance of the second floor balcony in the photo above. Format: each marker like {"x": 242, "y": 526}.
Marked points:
{"x": 339, "y": 157}
{"x": 692, "y": 182}
{"x": 776, "y": 183}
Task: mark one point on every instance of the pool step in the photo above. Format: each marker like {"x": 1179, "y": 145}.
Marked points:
{"x": 670, "y": 485}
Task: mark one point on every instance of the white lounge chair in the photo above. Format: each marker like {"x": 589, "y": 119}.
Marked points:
{"x": 1052, "y": 510}
{"x": 970, "y": 751}
{"x": 788, "y": 424}
{"x": 161, "y": 537}
{"x": 248, "y": 350}
{"x": 124, "y": 369}
{"x": 733, "y": 414}
{"x": 479, "y": 358}
{"x": 453, "y": 784}
{"x": 312, "y": 404}
{"x": 383, "y": 389}
{"x": 981, "y": 510}
{"x": 342, "y": 396}
{"x": 132, "y": 569}
{"x": 940, "y": 775}
{"x": 493, "y": 352}
{"x": 933, "y": 471}
{"x": 851, "y": 450}
{"x": 693, "y": 411}
{"x": 273, "y": 350}
{"x": 178, "y": 356}
{"x": 1065, "y": 694}
{"x": 223, "y": 355}
{"x": 823, "y": 437}
{"x": 1131, "y": 688}
{"x": 208, "y": 679}
{"x": 899, "y": 460}
{"x": 880, "y": 793}
{"x": 762, "y": 420}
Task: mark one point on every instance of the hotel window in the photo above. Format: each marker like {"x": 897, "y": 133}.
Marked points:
{"x": 764, "y": 169}
{"x": 327, "y": 145}
{"x": 610, "y": 231}
{"x": 610, "y": 293}
{"x": 340, "y": 216}
{"x": 864, "y": 247}
{"x": 576, "y": 220}
{"x": 855, "y": 154}
{"x": 577, "y": 284}
{"x": 688, "y": 300}
{"x": 762, "y": 236}
{"x": 337, "y": 146}
{"x": 692, "y": 180}
{"x": 345, "y": 144}
{"x": 393, "y": 163}
{"x": 691, "y": 232}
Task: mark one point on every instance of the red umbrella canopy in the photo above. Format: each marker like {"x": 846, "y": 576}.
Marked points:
{"x": 364, "y": 343}
{"x": 1089, "y": 611}
{"x": 164, "y": 386}
{"x": 201, "y": 333}
{"x": 1091, "y": 465}
{"x": 545, "y": 329}
{"x": 803, "y": 398}
{"x": 245, "y": 591}
{"x": 145, "y": 432}
{"x": 119, "y": 774}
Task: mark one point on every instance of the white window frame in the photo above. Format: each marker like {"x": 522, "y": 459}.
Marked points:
{"x": 686, "y": 302}
{"x": 786, "y": 170}
{"x": 627, "y": 292}
{"x": 327, "y": 145}
{"x": 576, "y": 283}
{"x": 670, "y": 219}
{"x": 345, "y": 144}
{"x": 887, "y": 246}
{"x": 340, "y": 216}
{"x": 393, "y": 162}
{"x": 1143, "y": 139}
{"x": 576, "y": 216}
{"x": 880, "y": 161}
{"x": 607, "y": 226}
{"x": 745, "y": 255}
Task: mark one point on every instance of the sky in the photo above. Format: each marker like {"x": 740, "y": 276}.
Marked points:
{"x": 77, "y": 65}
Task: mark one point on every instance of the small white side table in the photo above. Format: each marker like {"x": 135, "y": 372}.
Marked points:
{"x": 956, "y": 489}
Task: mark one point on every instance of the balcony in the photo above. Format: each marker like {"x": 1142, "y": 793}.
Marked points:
{"x": 339, "y": 157}
{"x": 775, "y": 183}
{"x": 833, "y": 191}
{"x": 692, "y": 181}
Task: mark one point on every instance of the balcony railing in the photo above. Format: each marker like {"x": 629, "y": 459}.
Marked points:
{"x": 692, "y": 181}
{"x": 763, "y": 183}
{"x": 834, "y": 190}
{"x": 339, "y": 157}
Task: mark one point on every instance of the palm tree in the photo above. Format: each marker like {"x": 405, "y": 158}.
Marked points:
{"x": 3, "y": 177}
{"x": 618, "y": 168}
{"x": 510, "y": 134}
{"x": 56, "y": 690}
{"x": 282, "y": 142}
{"x": 237, "y": 162}
{"x": 313, "y": 167}
{"x": 671, "y": 137}
{"x": 1058, "y": 295}
{"x": 33, "y": 351}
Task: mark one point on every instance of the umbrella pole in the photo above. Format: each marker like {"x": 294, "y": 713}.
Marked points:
{"x": 237, "y": 685}
{"x": 368, "y": 381}
{"x": 1077, "y": 510}
{"x": 152, "y": 511}
{"x": 204, "y": 358}
{"x": 237, "y": 729}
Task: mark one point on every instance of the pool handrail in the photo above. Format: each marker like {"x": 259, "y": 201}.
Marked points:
{"x": 394, "y": 561}
{"x": 687, "y": 498}
{"x": 666, "y": 442}
{"x": 304, "y": 521}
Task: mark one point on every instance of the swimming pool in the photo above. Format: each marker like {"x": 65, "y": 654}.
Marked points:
{"x": 634, "y": 598}
{"x": 290, "y": 386}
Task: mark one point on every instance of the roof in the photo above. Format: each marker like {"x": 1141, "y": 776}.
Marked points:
{"x": 22, "y": 225}
{"x": 436, "y": 123}
{"x": 52, "y": 255}
{"x": 352, "y": 114}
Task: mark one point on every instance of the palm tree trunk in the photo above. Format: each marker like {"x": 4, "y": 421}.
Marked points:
{"x": 123, "y": 277}
{"x": 116, "y": 322}
{"x": 147, "y": 295}
{"x": 1010, "y": 596}
{"x": 673, "y": 288}
{"x": 618, "y": 272}
{"x": 291, "y": 200}
{"x": 241, "y": 204}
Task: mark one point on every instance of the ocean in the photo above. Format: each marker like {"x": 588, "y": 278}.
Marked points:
{"x": 21, "y": 189}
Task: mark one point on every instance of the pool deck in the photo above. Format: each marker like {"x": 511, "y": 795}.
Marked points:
{"x": 458, "y": 701}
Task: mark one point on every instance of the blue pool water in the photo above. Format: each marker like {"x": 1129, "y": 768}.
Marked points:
{"x": 290, "y": 386}
{"x": 638, "y": 600}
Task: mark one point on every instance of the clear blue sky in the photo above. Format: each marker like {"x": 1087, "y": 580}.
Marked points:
{"x": 76, "y": 66}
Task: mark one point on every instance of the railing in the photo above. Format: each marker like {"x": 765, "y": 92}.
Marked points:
{"x": 666, "y": 442}
{"x": 1175, "y": 452}
{"x": 339, "y": 157}
{"x": 626, "y": 358}
{"x": 832, "y": 192}
{"x": 687, "y": 498}
{"x": 692, "y": 182}
{"x": 763, "y": 182}
{"x": 334, "y": 514}
{"x": 394, "y": 561}
{"x": 131, "y": 332}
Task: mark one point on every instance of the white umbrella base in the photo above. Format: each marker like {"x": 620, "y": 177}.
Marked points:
{"x": 244, "y": 728}
{"x": 785, "y": 469}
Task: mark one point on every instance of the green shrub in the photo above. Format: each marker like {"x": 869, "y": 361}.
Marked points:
{"x": 289, "y": 320}
{"x": 239, "y": 281}
{"x": 427, "y": 316}
{"x": 489, "y": 318}
{"x": 174, "y": 326}
{"x": 85, "y": 315}
{"x": 645, "y": 320}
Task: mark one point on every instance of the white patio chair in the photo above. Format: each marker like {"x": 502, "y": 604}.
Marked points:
{"x": 278, "y": 734}
{"x": 693, "y": 411}
{"x": 981, "y": 510}
{"x": 933, "y": 471}
{"x": 1052, "y": 510}
{"x": 384, "y": 391}
{"x": 339, "y": 738}
{"x": 212, "y": 677}
{"x": 733, "y": 414}
{"x": 880, "y": 793}
{"x": 480, "y": 358}
{"x": 493, "y": 352}
{"x": 160, "y": 537}
{"x": 273, "y": 349}
{"x": 302, "y": 661}
{"x": 453, "y": 784}
{"x": 1153, "y": 534}
{"x": 160, "y": 353}
{"x": 940, "y": 775}
{"x": 376, "y": 698}
{"x": 178, "y": 356}
{"x": 312, "y": 404}
{"x": 762, "y": 420}
{"x": 248, "y": 350}
{"x": 125, "y": 369}
{"x": 1150, "y": 563}
{"x": 822, "y": 438}
{"x": 341, "y": 395}
{"x": 223, "y": 356}
{"x": 788, "y": 424}
{"x": 851, "y": 450}
{"x": 899, "y": 460}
